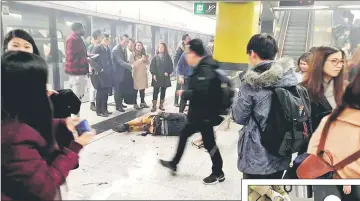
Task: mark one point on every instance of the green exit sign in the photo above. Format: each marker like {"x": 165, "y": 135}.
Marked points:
{"x": 205, "y": 8}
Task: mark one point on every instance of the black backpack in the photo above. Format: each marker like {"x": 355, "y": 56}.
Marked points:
{"x": 227, "y": 92}
{"x": 169, "y": 124}
{"x": 288, "y": 126}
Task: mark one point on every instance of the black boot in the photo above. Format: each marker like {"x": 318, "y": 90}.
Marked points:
{"x": 92, "y": 106}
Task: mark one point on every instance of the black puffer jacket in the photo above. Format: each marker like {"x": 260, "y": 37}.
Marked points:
{"x": 203, "y": 90}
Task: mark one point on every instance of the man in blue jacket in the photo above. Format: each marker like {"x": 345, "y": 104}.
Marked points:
{"x": 183, "y": 71}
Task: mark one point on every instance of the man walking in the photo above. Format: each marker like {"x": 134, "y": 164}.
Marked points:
{"x": 203, "y": 90}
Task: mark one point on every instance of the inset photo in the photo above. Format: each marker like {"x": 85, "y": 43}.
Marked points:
{"x": 300, "y": 190}
{"x": 304, "y": 193}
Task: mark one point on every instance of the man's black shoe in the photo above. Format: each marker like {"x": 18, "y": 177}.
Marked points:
{"x": 213, "y": 179}
{"x": 169, "y": 165}
{"x": 123, "y": 106}
{"x": 120, "y": 109}
{"x": 103, "y": 115}
{"x": 107, "y": 112}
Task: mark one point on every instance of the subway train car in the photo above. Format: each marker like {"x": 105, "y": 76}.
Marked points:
{"x": 49, "y": 23}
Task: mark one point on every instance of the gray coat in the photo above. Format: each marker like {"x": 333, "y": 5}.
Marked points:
{"x": 121, "y": 64}
{"x": 252, "y": 97}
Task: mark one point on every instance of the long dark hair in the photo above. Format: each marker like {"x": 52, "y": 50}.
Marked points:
{"x": 350, "y": 99}
{"x": 314, "y": 82}
{"x": 166, "y": 52}
{"x": 19, "y": 33}
{"x": 306, "y": 57}
{"x": 23, "y": 92}
{"x": 142, "y": 52}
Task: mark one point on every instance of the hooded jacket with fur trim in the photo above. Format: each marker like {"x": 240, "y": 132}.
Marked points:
{"x": 253, "y": 97}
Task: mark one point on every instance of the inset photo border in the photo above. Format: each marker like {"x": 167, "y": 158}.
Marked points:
{"x": 299, "y": 190}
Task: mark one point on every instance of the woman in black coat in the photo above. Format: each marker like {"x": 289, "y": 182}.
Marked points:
{"x": 161, "y": 67}
{"x": 102, "y": 64}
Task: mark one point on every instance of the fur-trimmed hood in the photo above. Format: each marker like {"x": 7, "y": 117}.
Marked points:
{"x": 280, "y": 74}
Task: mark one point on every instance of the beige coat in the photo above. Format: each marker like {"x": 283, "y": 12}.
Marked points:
{"x": 343, "y": 139}
{"x": 139, "y": 72}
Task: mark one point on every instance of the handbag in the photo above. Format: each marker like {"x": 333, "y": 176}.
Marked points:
{"x": 313, "y": 166}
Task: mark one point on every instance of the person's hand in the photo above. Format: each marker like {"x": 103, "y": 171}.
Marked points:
{"x": 71, "y": 123}
{"x": 347, "y": 189}
{"x": 180, "y": 92}
{"x": 181, "y": 80}
{"x": 154, "y": 77}
{"x": 166, "y": 74}
{"x": 85, "y": 138}
{"x": 51, "y": 92}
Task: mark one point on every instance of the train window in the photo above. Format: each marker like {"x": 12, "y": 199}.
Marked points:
{"x": 172, "y": 42}
{"x": 101, "y": 24}
{"x": 144, "y": 35}
{"x": 163, "y": 35}
{"x": 124, "y": 28}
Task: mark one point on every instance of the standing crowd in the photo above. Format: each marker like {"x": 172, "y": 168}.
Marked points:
{"x": 124, "y": 69}
{"x": 39, "y": 151}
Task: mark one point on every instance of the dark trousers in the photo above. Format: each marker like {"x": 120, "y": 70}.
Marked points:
{"x": 102, "y": 96}
{"x": 142, "y": 95}
{"x": 157, "y": 90}
{"x": 118, "y": 95}
{"x": 178, "y": 87}
{"x": 207, "y": 132}
{"x": 184, "y": 102}
{"x": 276, "y": 175}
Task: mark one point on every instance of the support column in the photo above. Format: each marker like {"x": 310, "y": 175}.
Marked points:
{"x": 235, "y": 24}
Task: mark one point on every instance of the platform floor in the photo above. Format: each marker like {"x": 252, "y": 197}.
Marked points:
{"x": 125, "y": 166}
{"x": 118, "y": 166}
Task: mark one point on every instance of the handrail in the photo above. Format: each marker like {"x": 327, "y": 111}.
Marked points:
{"x": 283, "y": 41}
{"x": 308, "y": 33}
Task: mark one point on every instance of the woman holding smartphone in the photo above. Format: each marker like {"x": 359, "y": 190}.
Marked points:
{"x": 140, "y": 61}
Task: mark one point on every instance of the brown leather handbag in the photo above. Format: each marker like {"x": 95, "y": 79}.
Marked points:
{"x": 316, "y": 167}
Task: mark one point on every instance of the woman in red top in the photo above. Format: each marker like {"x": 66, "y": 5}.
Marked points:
{"x": 38, "y": 152}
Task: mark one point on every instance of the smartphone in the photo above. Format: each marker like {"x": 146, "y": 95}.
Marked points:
{"x": 83, "y": 127}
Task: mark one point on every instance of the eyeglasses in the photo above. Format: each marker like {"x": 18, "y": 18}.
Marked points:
{"x": 336, "y": 62}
